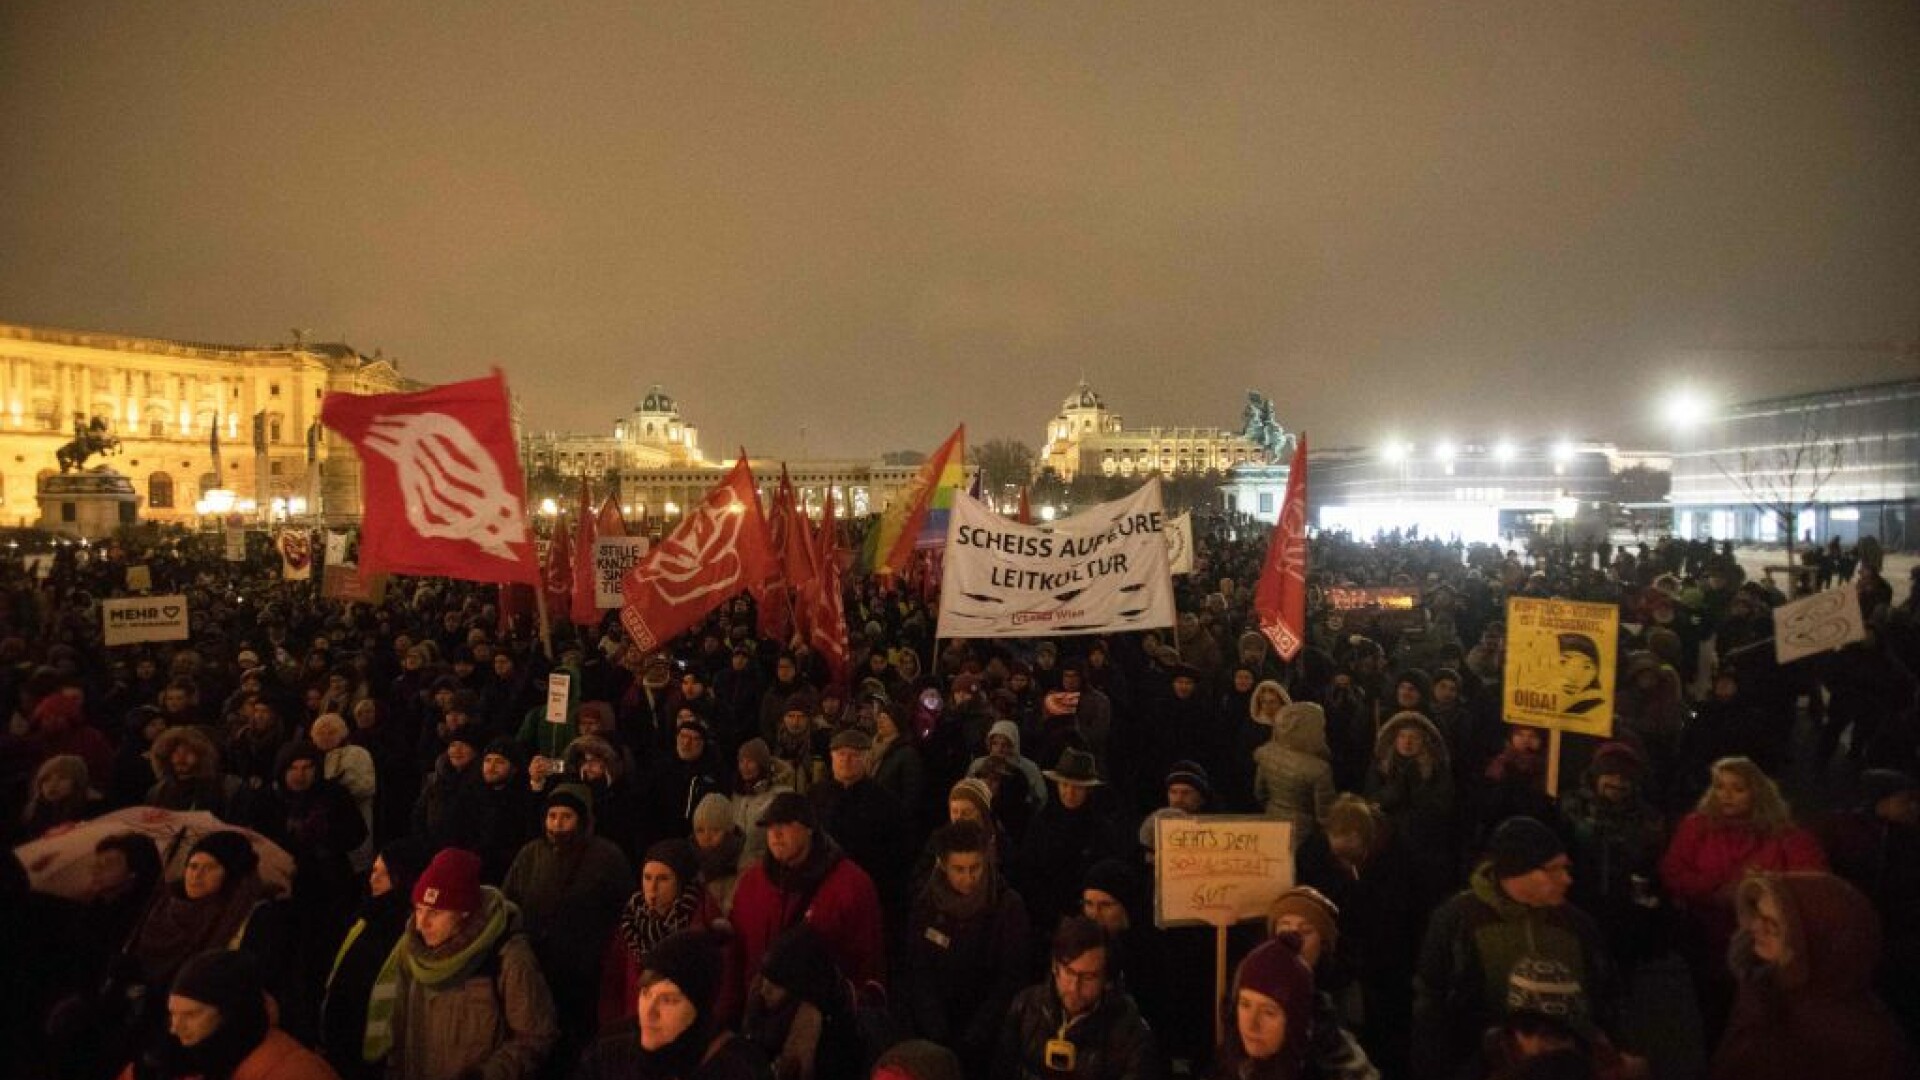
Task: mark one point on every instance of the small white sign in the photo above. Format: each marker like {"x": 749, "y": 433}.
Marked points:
{"x": 613, "y": 556}
{"x": 557, "y": 686}
{"x": 131, "y": 620}
{"x": 1816, "y": 624}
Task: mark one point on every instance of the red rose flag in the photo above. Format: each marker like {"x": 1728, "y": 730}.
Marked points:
{"x": 440, "y": 482}
{"x": 610, "y": 523}
{"x": 718, "y": 550}
{"x": 1280, "y": 596}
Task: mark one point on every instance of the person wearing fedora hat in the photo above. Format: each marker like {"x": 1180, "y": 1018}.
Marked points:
{"x": 1071, "y": 832}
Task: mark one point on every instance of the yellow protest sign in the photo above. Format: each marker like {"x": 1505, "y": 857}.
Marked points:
{"x": 1561, "y": 657}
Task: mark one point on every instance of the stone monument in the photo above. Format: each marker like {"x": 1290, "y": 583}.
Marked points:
{"x": 87, "y": 503}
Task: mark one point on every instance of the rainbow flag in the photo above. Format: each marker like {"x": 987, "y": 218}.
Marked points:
{"x": 917, "y": 517}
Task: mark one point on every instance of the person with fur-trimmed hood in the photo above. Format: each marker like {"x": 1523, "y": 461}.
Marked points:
{"x": 187, "y": 776}
{"x": 1803, "y": 959}
{"x": 571, "y": 885}
{"x": 1411, "y": 780}
{"x": 462, "y": 995}
{"x": 1293, "y": 771}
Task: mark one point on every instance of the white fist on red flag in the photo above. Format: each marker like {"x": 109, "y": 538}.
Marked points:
{"x": 720, "y": 548}
{"x": 441, "y": 487}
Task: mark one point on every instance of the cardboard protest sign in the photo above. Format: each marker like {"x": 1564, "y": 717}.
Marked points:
{"x": 336, "y": 546}
{"x": 1103, "y": 570}
{"x": 236, "y": 548}
{"x": 296, "y": 554}
{"x": 132, "y": 620}
{"x": 557, "y": 686}
{"x": 1219, "y": 869}
{"x": 1561, "y": 657}
{"x": 342, "y": 581}
{"x": 1816, "y": 624}
{"x": 139, "y": 579}
{"x": 613, "y": 556}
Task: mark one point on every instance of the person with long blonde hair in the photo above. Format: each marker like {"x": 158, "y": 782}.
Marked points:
{"x": 1742, "y": 825}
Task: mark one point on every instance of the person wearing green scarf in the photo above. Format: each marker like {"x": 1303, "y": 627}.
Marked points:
{"x": 464, "y": 946}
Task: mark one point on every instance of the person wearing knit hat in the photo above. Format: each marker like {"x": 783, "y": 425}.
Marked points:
{"x": 570, "y": 885}
{"x": 680, "y": 1033}
{"x": 1513, "y": 909}
{"x": 720, "y": 845}
{"x": 1313, "y": 919}
{"x": 210, "y": 906}
{"x": 1269, "y": 1019}
{"x": 970, "y": 800}
{"x": 670, "y": 899}
{"x": 462, "y": 993}
{"x": 218, "y": 1026}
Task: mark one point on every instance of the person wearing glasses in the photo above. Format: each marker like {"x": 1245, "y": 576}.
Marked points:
{"x": 1076, "y": 1023}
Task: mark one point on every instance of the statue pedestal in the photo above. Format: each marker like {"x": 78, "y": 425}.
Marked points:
{"x": 87, "y": 505}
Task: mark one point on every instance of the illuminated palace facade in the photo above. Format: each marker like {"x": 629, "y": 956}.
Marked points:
{"x": 1086, "y": 436}
{"x": 655, "y": 454}
{"x": 163, "y": 399}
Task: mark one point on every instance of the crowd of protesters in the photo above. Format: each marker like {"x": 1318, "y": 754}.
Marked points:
{"x": 715, "y": 862}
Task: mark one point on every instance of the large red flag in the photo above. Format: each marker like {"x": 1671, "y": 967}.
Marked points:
{"x": 826, "y": 606}
{"x": 1280, "y": 596}
{"x": 720, "y": 548}
{"x": 441, "y": 490}
{"x": 585, "y": 608}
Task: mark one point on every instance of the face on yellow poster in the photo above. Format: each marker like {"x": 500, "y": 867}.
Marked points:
{"x": 1560, "y": 665}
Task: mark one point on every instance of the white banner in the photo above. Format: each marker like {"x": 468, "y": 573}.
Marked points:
{"x": 144, "y": 618}
{"x": 236, "y": 548}
{"x": 1820, "y": 623}
{"x": 613, "y": 556}
{"x": 1100, "y": 571}
{"x": 1179, "y": 534}
{"x": 336, "y": 547}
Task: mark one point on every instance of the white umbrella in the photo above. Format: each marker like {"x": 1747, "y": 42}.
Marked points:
{"x": 61, "y": 863}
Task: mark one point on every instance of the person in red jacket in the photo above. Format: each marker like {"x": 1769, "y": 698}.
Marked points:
{"x": 803, "y": 876}
{"x": 1741, "y": 825}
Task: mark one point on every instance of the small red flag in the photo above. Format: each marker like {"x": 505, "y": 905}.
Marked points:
{"x": 585, "y": 608}
{"x": 609, "y": 522}
{"x": 440, "y": 480}
{"x": 720, "y": 548}
{"x": 825, "y": 604}
{"x": 1025, "y": 516}
{"x": 1280, "y": 596}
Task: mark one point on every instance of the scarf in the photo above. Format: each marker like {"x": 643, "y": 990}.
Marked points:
{"x": 452, "y": 962}
{"x": 642, "y": 928}
{"x": 177, "y": 928}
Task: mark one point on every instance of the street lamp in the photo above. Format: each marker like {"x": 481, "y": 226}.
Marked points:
{"x": 1685, "y": 407}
